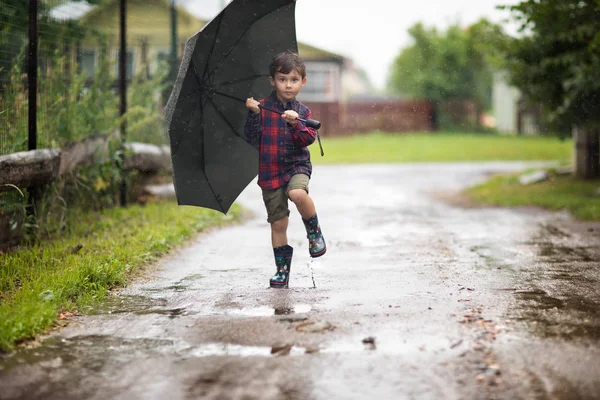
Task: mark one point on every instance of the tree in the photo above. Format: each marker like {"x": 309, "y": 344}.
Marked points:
{"x": 558, "y": 65}
{"x": 452, "y": 65}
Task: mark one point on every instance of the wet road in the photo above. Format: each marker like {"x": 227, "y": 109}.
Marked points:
{"x": 415, "y": 298}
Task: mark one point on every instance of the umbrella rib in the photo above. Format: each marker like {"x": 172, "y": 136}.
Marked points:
{"x": 189, "y": 119}
{"x": 191, "y": 93}
{"x": 212, "y": 47}
{"x": 237, "y": 42}
{"x": 225, "y": 118}
{"x": 214, "y": 194}
{"x": 248, "y": 78}
{"x": 217, "y": 197}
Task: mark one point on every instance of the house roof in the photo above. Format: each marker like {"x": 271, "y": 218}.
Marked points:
{"x": 70, "y": 10}
{"x": 145, "y": 19}
{"x": 311, "y": 53}
{"x": 105, "y": 16}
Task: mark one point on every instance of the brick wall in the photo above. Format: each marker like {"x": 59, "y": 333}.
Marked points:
{"x": 386, "y": 116}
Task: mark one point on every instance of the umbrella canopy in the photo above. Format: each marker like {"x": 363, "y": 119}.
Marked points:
{"x": 226, "y": 60}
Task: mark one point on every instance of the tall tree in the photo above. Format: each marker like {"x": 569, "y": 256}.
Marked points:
{"x": 450, "y": 65}
{"x": 558, "y": 65}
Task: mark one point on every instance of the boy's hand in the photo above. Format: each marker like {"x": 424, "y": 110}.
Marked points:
{"x": 290, "y": 116}
{"x": 252, "y": 105}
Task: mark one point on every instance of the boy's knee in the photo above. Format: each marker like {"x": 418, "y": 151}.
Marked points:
{"x": 280, "y": 225}
{"x": 297, "y": 195}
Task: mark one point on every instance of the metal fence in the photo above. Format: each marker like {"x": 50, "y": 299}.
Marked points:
{"x": 77, "y": 90}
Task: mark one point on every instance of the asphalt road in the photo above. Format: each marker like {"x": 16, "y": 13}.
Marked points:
{"x": 418, "y": 297}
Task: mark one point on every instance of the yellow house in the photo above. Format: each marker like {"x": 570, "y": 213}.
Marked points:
{"x": 149, "y": 41}
{"x": 148, "y": 31}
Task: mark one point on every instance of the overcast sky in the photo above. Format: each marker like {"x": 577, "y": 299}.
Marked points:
{"x": 372, "y": 32}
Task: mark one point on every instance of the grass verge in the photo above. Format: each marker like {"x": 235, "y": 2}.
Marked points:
{"x": 439, "y": 147}
{"x": 558, "y": 193}
{"x": 102, "y": 251}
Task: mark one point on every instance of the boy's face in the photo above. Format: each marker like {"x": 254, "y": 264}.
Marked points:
{"x": 287, "y": 86}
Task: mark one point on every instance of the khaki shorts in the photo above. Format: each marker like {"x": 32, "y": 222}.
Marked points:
{"x": 276, "y": 200}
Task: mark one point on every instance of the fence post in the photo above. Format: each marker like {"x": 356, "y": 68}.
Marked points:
{"x": 123, "y": 95}
{"x": 32, "y": 66}
{"x": 173, "y": 60}
{"x": 33, "y": 191}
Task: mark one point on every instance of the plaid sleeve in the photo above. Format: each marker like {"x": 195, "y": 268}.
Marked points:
{"x": 253, "y": 128}
{"x": 302, "y": 135}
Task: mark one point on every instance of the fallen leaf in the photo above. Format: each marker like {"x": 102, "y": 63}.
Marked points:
{"x": 65, "y": 315}
{"x": 281, "y": 350}
{"x": 312, "y": 327}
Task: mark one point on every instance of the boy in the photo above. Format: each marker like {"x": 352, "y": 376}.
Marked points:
{"x": 284, "y": 162}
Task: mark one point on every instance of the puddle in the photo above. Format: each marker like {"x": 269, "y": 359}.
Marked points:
{"x": 236, "y": 350}
{"x": 116, "y": 304}
{"x": 388, "y": 346}
{"x": 560, "y": 254}
{"x": 567, "y": 317}
{"x": 172, "y": 288}
{"x": 179, "y": 286}
{"x": 137, "y": 305}
{"x": 171, "y": 313}
{"x": 266, "y": 311}
{"x": 91, "y": 352}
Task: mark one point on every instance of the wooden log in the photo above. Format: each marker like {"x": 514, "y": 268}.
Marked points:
{"x": 91, "y": 150}
{"x": 147, "y": 157}
{"x": 29, "y": 167}
{"x": 586, "y": 142}
{"x": 43, "y": 166}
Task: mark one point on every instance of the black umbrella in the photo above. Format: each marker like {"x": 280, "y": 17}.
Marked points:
{"x": 222, "y": 65}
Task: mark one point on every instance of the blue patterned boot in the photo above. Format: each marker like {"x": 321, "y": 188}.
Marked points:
{"x": 283, "y": 261}
{"x": 316, "y": 242}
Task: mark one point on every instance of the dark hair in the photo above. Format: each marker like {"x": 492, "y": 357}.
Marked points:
{"x": 287, "y": 62}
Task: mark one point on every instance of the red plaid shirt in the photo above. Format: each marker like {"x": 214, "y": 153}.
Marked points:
{"x": 283, "y": 148}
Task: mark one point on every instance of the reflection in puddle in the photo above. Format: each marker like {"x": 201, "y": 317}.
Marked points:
{"x": 137, "y": 305}
{"x": 387, "y": 345}
{"x": 267, "y": 311}
{"x": 121, "y": 304}
{"x": 227, "y": 349}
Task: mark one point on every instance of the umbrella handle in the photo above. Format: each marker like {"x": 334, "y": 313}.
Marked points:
{"x": 312, "y": 123}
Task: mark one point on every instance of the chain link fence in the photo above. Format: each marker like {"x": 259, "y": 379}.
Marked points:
{"x": 77, "y": 85}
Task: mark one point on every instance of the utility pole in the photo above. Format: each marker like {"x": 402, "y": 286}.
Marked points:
{"x": 123, "y": 94}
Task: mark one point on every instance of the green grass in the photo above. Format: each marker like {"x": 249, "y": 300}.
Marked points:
{"x": 37, "y": 283}
{"x": 438, "y": 147}
{"x": 558, "y": 193}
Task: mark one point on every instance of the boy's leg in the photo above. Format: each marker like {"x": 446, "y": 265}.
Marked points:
{"x": 298, "y": 193}
{"x": 303, "y": 202}
{"x": 279, "y": 232}
{"x": 276, "y": 203}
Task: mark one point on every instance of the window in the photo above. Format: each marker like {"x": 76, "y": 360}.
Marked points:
{"x": 87, "y": 62}
{"x": 128, "y": 65}
{"x": 317, "y": 82}
{"x": 321, "y": 82}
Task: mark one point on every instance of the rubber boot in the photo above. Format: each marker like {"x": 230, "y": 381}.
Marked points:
{"x": 316, "y": 242}
{"x": 283, "y": 261}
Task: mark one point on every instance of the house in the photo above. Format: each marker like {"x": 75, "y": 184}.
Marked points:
{"x": 148, "y": 32}
{"x": 512, "y": 113}
{"x": 332, "y": 78}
